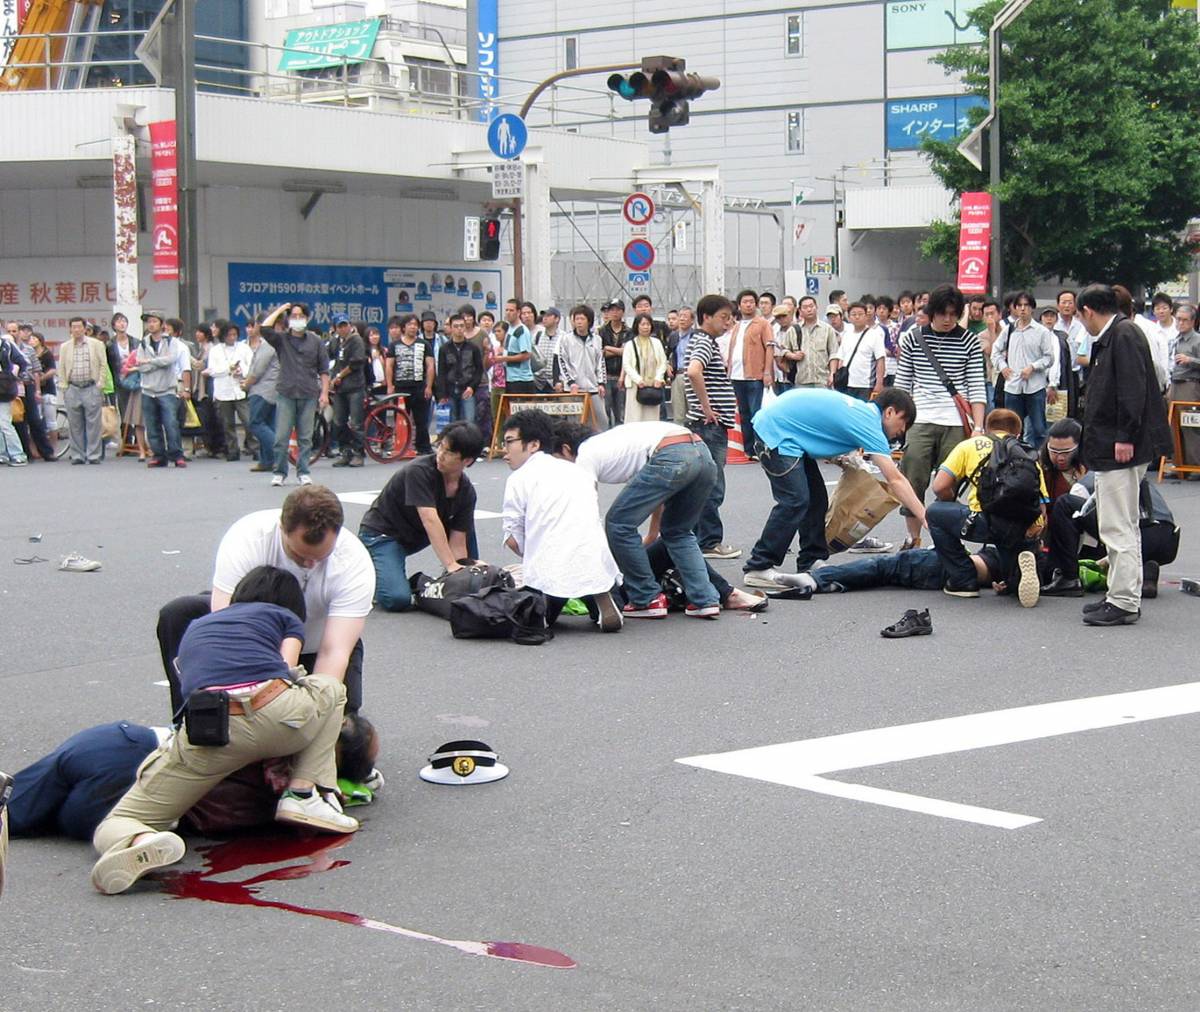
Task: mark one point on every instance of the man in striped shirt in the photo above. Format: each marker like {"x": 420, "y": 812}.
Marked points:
{"x": 940, "y": 429}
{"x": 711, "y": 412}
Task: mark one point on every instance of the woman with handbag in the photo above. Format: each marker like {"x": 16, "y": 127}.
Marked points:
{"x": 644, "y": 370}
{"x": 129, "y": 385}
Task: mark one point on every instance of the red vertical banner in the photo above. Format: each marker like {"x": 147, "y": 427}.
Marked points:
{"x": 974, "y": 241}
{"x": 165, "y": 191}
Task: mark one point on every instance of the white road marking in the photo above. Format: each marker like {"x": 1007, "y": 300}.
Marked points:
{"x": 164, "y": 683}
{"x": 803, "y": 763}
{"x": 366, "y": 498}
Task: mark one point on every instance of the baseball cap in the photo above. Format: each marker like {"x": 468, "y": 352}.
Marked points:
{"x": 339, "y": 318}
{"x": 782, "y": 311}
{"x": 158, "y": 314}
{"x": 552, "y": 311}
{"x": 429, "y": 314}
{"x": 835, "y": 308}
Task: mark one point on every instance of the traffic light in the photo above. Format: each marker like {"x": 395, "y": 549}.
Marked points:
{"x": 489, "y": 238}
{"x": 665, "y": 82}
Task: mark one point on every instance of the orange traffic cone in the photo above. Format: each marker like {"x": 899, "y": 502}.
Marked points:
{"x": 736, "y": 454}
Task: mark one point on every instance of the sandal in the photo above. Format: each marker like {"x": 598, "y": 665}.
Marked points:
{"x": 912, "y": 623}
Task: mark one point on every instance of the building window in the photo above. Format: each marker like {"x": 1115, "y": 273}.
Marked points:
{"x": 429, "y": 77}
{"x": 795, "y": 132}
{"x": 571, "y": 53}
{"x": 794, "y": 34}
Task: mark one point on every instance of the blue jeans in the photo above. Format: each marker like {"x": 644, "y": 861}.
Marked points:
{"x": 680, "y": 478}
{"x": 161, "y": 414}
{"x": 392, "y": 590}
{"x": 801, "y": 502}
{"x": 918, "y": 569}
{"x": 709, "y": 529}
{"x": 749, "y": 394}
{"x": 950, "y": 523}
{"x": 262, "y": 424}
{"x": 1032, "y": 410}
{"x": 462, "y": 409}
{"x": 297, "y": 413}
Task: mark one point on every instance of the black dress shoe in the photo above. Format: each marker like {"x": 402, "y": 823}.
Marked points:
{"x": 1110, "y": 614}
{"x": 1060, "y": 586}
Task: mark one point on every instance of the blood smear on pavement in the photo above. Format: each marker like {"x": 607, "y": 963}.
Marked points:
{"x": 316, "y": 854}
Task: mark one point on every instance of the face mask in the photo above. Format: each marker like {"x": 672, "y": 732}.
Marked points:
{"x": 298, "y": 323}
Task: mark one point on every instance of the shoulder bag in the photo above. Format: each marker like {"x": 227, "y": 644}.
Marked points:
{"x": 960, "y": 402}
{"x": 841, "y": 378}
{"x": 652, "y": 397}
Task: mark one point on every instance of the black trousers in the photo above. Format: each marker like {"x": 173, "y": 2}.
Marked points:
{"x": 418, "y": 409}
{"x": 173, "y": 620}
{"x": 1160, "y": 541}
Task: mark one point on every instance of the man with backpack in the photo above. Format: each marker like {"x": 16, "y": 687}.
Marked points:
{"x": 1005, "y": 508}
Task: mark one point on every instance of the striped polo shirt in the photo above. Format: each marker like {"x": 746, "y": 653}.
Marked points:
{"x": 703, "y": 348}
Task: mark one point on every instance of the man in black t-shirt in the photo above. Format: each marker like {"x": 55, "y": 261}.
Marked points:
{"x": 428, "y": 502}
{"x": 613, "y": 335}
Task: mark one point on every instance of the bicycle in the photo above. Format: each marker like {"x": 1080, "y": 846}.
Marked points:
{"x": 388, "y": 429}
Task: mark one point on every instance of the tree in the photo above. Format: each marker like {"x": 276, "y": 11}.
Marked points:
{"x": 1100, "y": 168}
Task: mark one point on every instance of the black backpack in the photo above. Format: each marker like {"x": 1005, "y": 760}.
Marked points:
{"x": 436, "y": 594}
{"x": 1009, "y": 482}
{"x": 9, "y": 384}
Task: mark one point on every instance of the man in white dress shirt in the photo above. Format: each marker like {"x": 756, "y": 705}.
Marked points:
{"x": 552, "y": 520}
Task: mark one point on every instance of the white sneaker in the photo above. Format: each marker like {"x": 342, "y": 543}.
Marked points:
{"x": 75, "y": 563}
{"x": 317, "y": 811}
{"x": 305, "y": 479}
{"x": 870, "y": 546}
{"x": 772, "y": 579}
{"x": 278, "y": 480}
{"x": 118, "y": 869}
{"x": 1029, "y": 588}
{"x": 721, "y": 551}
{"x": 375, "y": 781}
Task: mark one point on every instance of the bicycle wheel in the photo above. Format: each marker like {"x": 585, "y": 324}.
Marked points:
{"x": 387, "y": 432}
{"x": 64, "y": 432}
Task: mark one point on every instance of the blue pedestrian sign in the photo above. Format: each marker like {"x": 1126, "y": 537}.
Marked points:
{"x": 507, "y": 135}
{"x": 639, "y": 254}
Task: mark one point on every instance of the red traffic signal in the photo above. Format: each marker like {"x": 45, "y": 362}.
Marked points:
{"x": 489, "y": 238}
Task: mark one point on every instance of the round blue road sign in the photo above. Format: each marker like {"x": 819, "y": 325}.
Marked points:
{"x": 507, "y": 135}
{"x": 639, "y": 254}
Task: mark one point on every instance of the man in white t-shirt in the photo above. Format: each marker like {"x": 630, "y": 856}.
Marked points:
{"x": 863, "y": 351}
{"x": 307, "y": 539}
{"x": 668, "y": 473}
{"x": 552, "y": 520}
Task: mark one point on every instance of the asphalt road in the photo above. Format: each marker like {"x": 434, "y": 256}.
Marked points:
{"x": 670, "y": 886}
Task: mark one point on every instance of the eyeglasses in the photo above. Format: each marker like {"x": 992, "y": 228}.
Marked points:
{"x": 509, "y": 440}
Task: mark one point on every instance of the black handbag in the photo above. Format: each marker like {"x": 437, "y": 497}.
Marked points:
{"x": 652, "y": 397}
{"x": 501, "y": 613}
{"x": 435, "y": 594}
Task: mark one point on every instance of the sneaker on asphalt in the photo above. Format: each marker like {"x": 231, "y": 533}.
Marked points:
{"x": 655, "y": 609}
{"x": 316, "y": 811}
{"x": 374, "y": 781}
{"x": 1110, "y": 614}
{"x": 278, "y": 480}
{"x": 1029, "y": 588}
{"x": 19, "y": 462}
{"x": 152, "y": 462}
{"x": 721, "y": 552}
{"x": 341, "y": 462}
{"x": 1094, "y": 606}
{"x": 118, "y": 869}
{"x": 772, "y": 579}
{"x": 961, "y": 591}
{"x": 610, "y": 619}
{"x": 869, "y": 546}
{"x": 305, "y": 479}
{"x": 912, "y": 623}
{"x": 75, "y": 563}
{"x": 910, "y": 543}
{"x": 260, "y": 468}
{"x": 703, "y": 611}
{"x": 358, "y": 462}
{"x": 181, "y": 462}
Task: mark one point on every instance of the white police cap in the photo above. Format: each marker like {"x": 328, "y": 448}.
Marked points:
{"x": 464, "y": 762}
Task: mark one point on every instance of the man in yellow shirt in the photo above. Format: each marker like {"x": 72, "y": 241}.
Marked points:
{"x": 1013, "y": 533}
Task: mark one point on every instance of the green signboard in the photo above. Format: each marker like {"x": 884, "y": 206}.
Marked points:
{"x": 329, "y": 45}
{"x": 930, "y": 24}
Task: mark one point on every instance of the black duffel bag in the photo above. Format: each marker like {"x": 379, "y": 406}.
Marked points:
{"x": 436, "y": 594}
{"x": 501, "y": 613}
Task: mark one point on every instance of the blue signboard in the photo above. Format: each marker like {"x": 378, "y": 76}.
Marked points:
{"x": 487, "y": 55}
{"x": 507, "y": 136}
{"x": 940, "y": 117}
{"x": 369, "y": 294}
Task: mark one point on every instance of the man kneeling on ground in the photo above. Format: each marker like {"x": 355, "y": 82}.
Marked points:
{"x": 552, "y": 520}
{"x": 246, "y": 653}
{"x": 1013, "y": 534}
{"x": 428, "y": 502}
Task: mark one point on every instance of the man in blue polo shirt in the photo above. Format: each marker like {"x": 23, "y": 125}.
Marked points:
{"x": 796, "y": 431}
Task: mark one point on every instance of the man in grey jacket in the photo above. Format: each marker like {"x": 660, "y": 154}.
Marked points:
{"x": 259, "y": 385}
{"x": 581, "y": 363}
{"x": 158, "y": 362}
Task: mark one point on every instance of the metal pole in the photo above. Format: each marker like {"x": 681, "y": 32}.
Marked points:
{"x": 185, "y": 142}
{"x": 994, "y": 166}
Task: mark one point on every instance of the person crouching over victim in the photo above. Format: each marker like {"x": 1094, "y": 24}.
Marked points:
{"x": 244, "y": 654}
